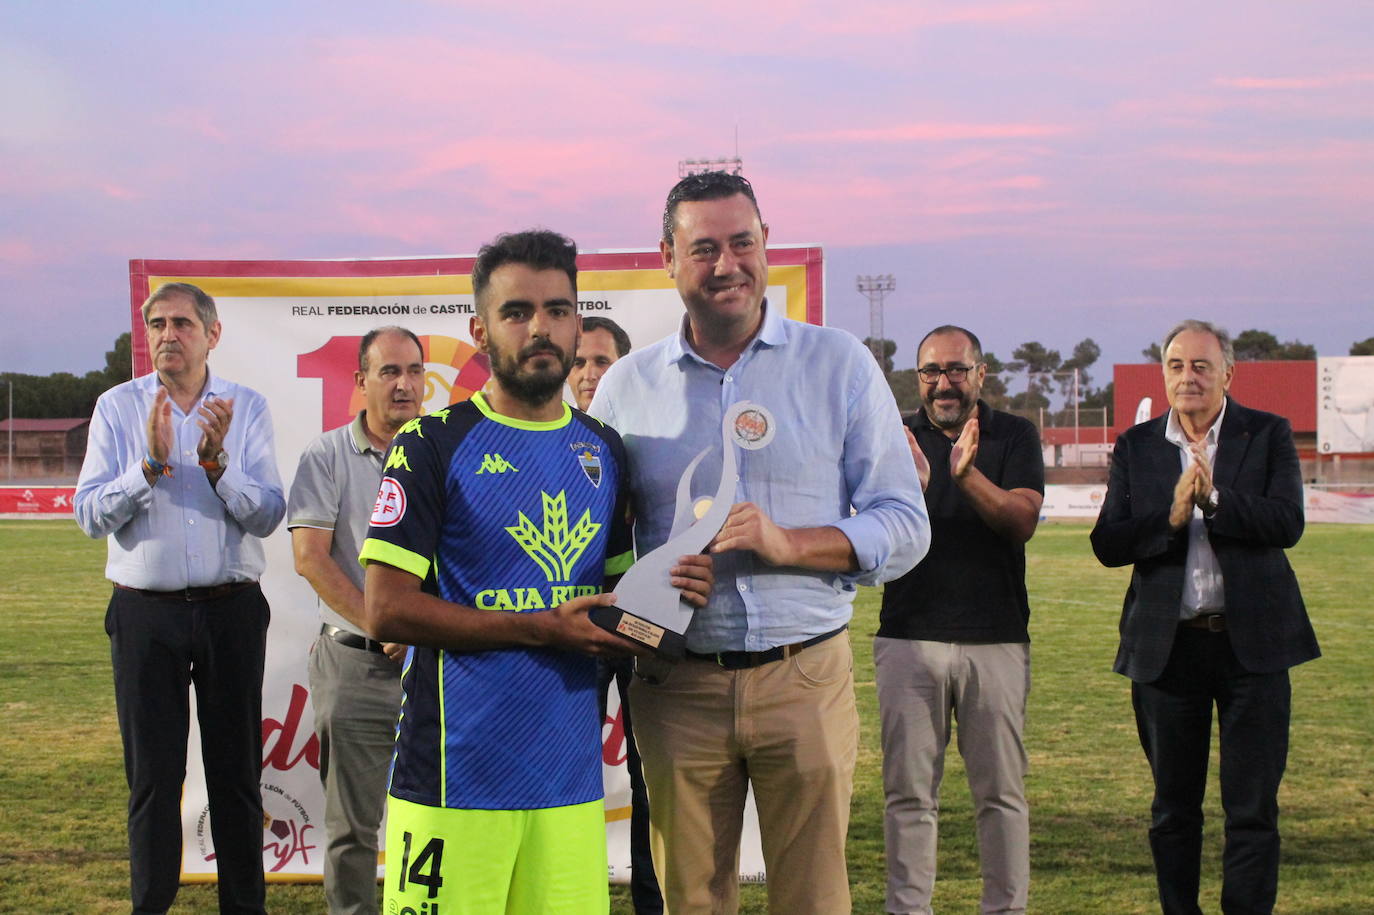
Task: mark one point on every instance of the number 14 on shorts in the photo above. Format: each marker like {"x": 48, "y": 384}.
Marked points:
{"x": 420, "y": 868}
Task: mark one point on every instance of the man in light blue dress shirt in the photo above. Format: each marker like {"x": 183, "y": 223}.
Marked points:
{"x": 181, "y": 477}
{"x": 765, "y": 696}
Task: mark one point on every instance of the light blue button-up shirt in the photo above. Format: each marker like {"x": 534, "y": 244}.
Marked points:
{"x": 183, "y": 532}
{"x": 839, "y": 443}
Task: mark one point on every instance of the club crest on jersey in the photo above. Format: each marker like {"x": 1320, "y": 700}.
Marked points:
{"x": 589, "y": 459}
{"x": 390, "y": 506}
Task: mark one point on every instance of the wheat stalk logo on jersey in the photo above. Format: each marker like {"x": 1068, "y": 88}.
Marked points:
{"x": 555, "y": 547}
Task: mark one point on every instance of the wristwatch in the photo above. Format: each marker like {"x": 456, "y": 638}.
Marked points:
{"x": 218, "y": 462}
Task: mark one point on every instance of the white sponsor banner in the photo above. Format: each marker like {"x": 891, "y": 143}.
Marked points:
{"x": 291, "y": 331}
{"x": 1323, "y": 505}
{"x": 1320, "y": 505}
{"x": 1073, "y": 501}
{"x": 1345, "y": 404}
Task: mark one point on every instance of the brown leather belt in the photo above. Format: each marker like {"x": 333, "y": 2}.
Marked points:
{"x": 1212, "y": 622}
{"x": 741, "y": 660}
{"x": 208, "y": 592}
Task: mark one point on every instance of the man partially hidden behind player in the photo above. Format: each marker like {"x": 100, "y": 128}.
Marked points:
{"x": 498, "y": 523}
{"x": 602, "y": 344}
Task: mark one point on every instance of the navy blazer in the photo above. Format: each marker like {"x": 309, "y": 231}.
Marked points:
{"x": 1259, "y": 484}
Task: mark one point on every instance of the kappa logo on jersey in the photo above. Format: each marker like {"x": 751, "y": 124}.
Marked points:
{"x": 589, "y": 458}
{"x": 494, "y": 463}
{"x": 555, "y": 547}
{"x": 390, "y": 506}
{"x": 397, "y": 458}
{"x": 415, "y": 426}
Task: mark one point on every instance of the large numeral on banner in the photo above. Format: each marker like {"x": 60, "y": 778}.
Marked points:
{"x": 333, "y": 364}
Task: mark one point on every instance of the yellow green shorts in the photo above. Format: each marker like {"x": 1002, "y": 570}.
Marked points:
{"x": 495, "y": 862}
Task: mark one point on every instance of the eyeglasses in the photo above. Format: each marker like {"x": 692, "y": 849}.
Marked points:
{"x": 930, "y": 374}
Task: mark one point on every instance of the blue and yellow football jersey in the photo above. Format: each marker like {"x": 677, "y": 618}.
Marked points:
{"x": 506, "y": 516}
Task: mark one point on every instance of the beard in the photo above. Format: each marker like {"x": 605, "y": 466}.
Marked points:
{"x": 534, "y": 387}
{"x": 950, "y": 410}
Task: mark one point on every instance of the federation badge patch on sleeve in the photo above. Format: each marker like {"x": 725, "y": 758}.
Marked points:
{"x": 390, "y": 507}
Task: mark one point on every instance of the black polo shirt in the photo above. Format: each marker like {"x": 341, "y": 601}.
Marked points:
{"x": 971, "y": 587}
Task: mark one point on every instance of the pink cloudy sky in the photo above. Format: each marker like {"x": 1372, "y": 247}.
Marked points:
{"x": 1035, "y": 170}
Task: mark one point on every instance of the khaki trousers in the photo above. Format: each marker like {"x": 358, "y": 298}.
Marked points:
{"x": 791, "y": 729}
{"x": 923, "y": 688}
{"x": 357, "y": 698}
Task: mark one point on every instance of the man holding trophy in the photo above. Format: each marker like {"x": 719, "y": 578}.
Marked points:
{"x": 498, "y": 523}
{"x": 777, "y": 446}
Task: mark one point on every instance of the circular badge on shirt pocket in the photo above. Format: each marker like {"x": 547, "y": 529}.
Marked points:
{"x": 753, "y": 426}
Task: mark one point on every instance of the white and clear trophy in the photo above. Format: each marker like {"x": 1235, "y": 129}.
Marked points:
{"x": 648, "y": 609}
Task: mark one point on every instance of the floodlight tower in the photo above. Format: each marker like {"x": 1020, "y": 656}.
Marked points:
{"x": 876, "y": 288}
{"x": 731, "y": 165}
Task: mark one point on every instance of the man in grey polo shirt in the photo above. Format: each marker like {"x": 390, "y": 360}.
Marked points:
{"x": 355, "y": 683}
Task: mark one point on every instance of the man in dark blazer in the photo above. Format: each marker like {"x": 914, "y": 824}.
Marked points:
{"x": 1203, "y": 501}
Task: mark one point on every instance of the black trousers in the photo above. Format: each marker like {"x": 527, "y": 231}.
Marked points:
{"x": 1174, "y": 718}
{"x": 644, "y": 891}
{"x": 159, "y": 647}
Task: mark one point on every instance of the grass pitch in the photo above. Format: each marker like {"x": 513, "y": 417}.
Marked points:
{"x": 62, "y": 791}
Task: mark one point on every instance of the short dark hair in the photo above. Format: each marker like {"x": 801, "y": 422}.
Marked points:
{"x": 705, "y": 186}
{"x": 952, "y": 329}
{"x": 622, "y": 339}
{"x": 204, "y": 305}
{"x": 374, "y": 333}
{"x": 538, "y": 249}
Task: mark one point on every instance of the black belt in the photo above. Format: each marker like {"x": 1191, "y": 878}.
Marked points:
{"x": 208, "y": 592}
{"x": 741, "y": 660}
{"x": 1212, "y": 622}
{"x": 351, "y": 639}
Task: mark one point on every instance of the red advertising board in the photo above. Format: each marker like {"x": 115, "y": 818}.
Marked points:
{"x": 36, "y": 501}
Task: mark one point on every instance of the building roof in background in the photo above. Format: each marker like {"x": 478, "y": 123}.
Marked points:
{"x": 43, "y": 425}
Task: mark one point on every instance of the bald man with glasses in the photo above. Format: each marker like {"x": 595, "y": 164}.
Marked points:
{"x": 952, "y": 642}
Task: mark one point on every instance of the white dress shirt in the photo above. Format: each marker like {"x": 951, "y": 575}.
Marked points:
{"x": 1202, "y": 585}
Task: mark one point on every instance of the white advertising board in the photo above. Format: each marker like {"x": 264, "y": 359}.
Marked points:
{"x": 1345, "y": 404}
